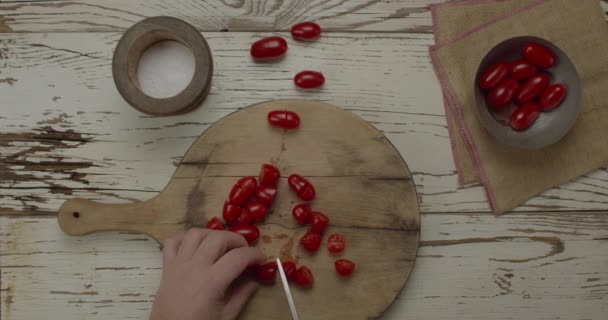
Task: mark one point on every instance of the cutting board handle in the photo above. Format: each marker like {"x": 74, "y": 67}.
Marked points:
{"x": 79, "y": 217}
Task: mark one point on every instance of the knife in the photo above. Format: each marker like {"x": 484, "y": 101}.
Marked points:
{"x": 292, "y": 306}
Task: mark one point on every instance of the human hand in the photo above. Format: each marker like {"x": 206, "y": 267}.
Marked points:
{"x": 199, "y": 269}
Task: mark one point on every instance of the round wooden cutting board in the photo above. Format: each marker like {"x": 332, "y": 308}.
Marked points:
{"x": 362, "y": 184}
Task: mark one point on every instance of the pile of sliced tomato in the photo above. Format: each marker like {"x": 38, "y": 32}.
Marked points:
{"x": 250, "y": 200}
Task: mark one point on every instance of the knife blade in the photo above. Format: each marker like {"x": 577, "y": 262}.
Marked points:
{"x": 292, "y": 306}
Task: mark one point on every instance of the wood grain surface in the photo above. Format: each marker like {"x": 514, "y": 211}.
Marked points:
{"x": 65, "y": 132}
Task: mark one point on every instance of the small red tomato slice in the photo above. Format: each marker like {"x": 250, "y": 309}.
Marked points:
{"x": 244, "y": 218}
{"x": 215, "y": 224}
{"x": 552, "y": 97}
{"x": 319, "y": 222}
{"x": 522, "y": 69}
{"x": 305, "y": 30}
{"x": 344, "y": 267}
{"x": 231, "y": 212}
{"x": 269, "y": 175}
{"x": 268, "y": 48}
{"x": 524, "y": 116}
{"x": 539, "y": 55}
{"x": 290, "y": 269}
{"x": 249, "y": 232}
{"x": 309, "y": 79}
{"x": 533, "y": 87}
{"x": 311, "y": 241}
{"x": 494, "y": 75}
{"x": 267, "y": 272}
{"x": 304, "y": 277}
{"x": 302, "y": 187}
{"x": 336, "y": 243}
{"x": 242, "y": 190}
{"x": 266, "y": 194}
{"x": 284, "y": 119}
{"x": 257, "y": 209}
{"x": 301, "y": 213}
{"x": 503, "y": 93}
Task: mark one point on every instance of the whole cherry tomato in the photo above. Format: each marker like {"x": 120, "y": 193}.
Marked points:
{"x": 269, "y": 175}
{"x": 231, "y": 212}
{"x": 268, "y": 48}
{"x": 524, "y": 116}
{"x": 284, "y": 119}
{"x": 539, "y": 55}
{"x": 266, "y": 273}
{"x": 522, "y": 69}
{"x": 257, "y": 209}
{"x": 244, "y": 218}
{"x": 301, "y": 213}
{"x": 318, "y": 222}
{"x": 309, "y": 79}
{"x": 304, "y": 277}
{"x": 532, "y": 88}
{"x": 311, "y": 241}
{"x": 242, "y": 190}
{"x": 215, "y": 224}
{"x": 305, "y": 30}
{"x": 336, "y": 243}
{"x": 290, "y": 269}
{"x": 494, "y": 75}
{"x": 344, "y": 267}
{"x": 503, "y": 93}
{"x": 249, "y": 232}
{"x": 302, "y": 187}
{"x": 266, "y": 194}
{"x": 552, "y": 97}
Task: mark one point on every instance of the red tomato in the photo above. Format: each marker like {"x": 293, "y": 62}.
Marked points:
{"x": 533, "y": 87}
{"x": 305, "y": 30}
{"x": 304, "y": 277}
{"x": 522, "y": 69}
{"x": 552, "y": 97}
{"x": 494, "y": 75}
{"x": 266, "y": 194}
{"x": 302, "y": 187}
{"x": 244, "y": 218}
{"x": 269, "y": 175}
{"x": 284, "y": 119}
{"x": 215, "y": 223}
{"x": 268, "y": 48}
{"x": 257, "y": 209}
{"x": 267, "y": 272}
{"x": 336, "y": 243}
{"x": 301, "y": 213}
{"x": 524, "y": 116}
{"x": 242, "y": 190}
{"x": 290, "y": 269}
{"x": 539, "y": 55}
{"x": 250, "y": 233}
{"x": 318, "y": 222}
{"x": 503, "y": 93}
{"x": 344, "y": 267}
{"x": 311, "y": 241}
{"x": 231, "y": 212}
{"x": 309, "y": 79}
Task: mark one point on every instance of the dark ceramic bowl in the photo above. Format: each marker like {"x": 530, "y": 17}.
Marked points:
{"x": 551, "y": 126}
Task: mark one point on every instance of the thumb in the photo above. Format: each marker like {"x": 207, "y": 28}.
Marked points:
{"x": 238, "y": 300}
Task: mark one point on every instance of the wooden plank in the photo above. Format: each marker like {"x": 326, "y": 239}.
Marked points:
{"x": 469, "y": 266}
{"x": 75, "y": 136}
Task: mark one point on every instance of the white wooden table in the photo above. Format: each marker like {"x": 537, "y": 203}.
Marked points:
{"x": 66, "y": 132}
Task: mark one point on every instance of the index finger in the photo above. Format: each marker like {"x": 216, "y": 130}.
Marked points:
{"x": 233, "y": 264}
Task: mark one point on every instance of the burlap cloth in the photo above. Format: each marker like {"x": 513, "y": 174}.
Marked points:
{"x": 465, "y": 31}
